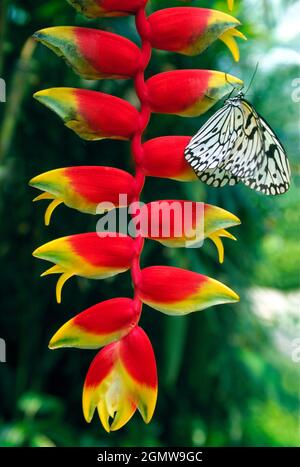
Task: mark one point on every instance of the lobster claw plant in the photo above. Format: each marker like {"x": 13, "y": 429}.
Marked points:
{"x": 123, "y": 375}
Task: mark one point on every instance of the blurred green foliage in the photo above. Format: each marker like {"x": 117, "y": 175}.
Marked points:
{"x": 224, "y": 380}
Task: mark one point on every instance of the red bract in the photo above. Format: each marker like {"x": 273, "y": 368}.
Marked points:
{"x": 92, "y": 115}
{"x": 122, "y": 377}
{"x": 99, "y": 325}
{"x": 178, "y": 223}
{"x": 86, "y": 188}
{"x": 176, "y": 291}
{"x": 188, "y": 93}
{"x": 92, "y": 54}
{"x": 87, "y": 255}
{"x": 190, "y": 30}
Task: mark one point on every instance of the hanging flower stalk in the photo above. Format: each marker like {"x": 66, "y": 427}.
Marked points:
{"x": 123, "y": 376}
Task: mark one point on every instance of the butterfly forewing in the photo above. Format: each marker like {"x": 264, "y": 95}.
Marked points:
{"x": 207, "y": 148}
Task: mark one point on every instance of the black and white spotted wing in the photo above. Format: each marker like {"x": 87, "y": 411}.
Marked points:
{"x": 237, "y": 145}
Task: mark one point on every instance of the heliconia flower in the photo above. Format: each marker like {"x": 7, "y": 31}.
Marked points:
{"x": 121, "y": 379}
{"x": 92, "y": 115}
{"x": 164, "y": 157}
{"x": 178, "y": 223}
{"x": 92, "y": 53}
{"x": 99, "y": 325}
{"x": 87, "y": 255}
{"x": 188, "y": 92}
{"x": 176, "y": 291}
{"x": 96, "y": 8}
{"x": 83, "y": 188}
{"x": 190, "y": 30}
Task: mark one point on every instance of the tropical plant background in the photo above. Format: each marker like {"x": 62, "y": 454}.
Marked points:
{"x": 229, "y": 376}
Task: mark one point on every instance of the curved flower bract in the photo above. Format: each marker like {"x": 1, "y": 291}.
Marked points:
{"x": 93, "y": 54}
{"x": 190, "y": 30}
{"x": 121, "y": 379}
{"x": 92, "y": 115}
{"x": 188, "y": 93}
{"x": 87, "y": 255}
{"x": 176, "y": 291}
{"x": 99, "y": 325}
{"x": 84, "y": 188}
{"x": 178, "y": 223}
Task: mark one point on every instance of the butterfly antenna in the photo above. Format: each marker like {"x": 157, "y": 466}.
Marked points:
{"x": 252, "y": 79}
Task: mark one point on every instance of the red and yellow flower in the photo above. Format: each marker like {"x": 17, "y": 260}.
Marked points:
{"x": 121, "y": 379}
{"x": 87, "y": 255}
{"x": 123, "y": 375}
{"x": 84, "y": 188}
{"x": 178, "y": 223}
{"x": 99, "y": 325}
{"x": 176, "y": 291}
{"x": 92, "y": 115}
{"x": 93, "y": 54}
{"x": 188, "y": 93}
{"x": 189, "y": 30}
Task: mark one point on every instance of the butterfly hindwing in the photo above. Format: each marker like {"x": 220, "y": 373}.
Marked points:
{"x": 217, "y": 177}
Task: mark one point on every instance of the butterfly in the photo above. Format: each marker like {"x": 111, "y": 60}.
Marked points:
{"x": 237, "y": 145}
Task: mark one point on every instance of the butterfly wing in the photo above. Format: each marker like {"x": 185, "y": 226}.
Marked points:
{"x": 236, "y": 144}
{"x": 217, "y": 177}
{"x": 208, "y": 149}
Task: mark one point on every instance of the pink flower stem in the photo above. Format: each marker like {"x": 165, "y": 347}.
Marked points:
{"x": 137, "y": 150}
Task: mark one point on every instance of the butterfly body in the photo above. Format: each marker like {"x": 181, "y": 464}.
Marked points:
{"x": 237, "y": 145}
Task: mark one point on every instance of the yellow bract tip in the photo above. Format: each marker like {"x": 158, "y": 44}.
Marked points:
{"x": 103, "y": 415}
{"x": 53, "y": 270}
{"x": 230, "y": 4}
{"x": 219, "y": 244}
{"x": 43, "y": 196}
{"x": 60, "y": 283}
{"x": 59, "y": 338}
{"x": 228, "y": 38}
{"x": 237, "y": 33}
{"x": 215, "y": 237}
{"x": 50, "y": 209}
{"x": 225, "y": 233}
